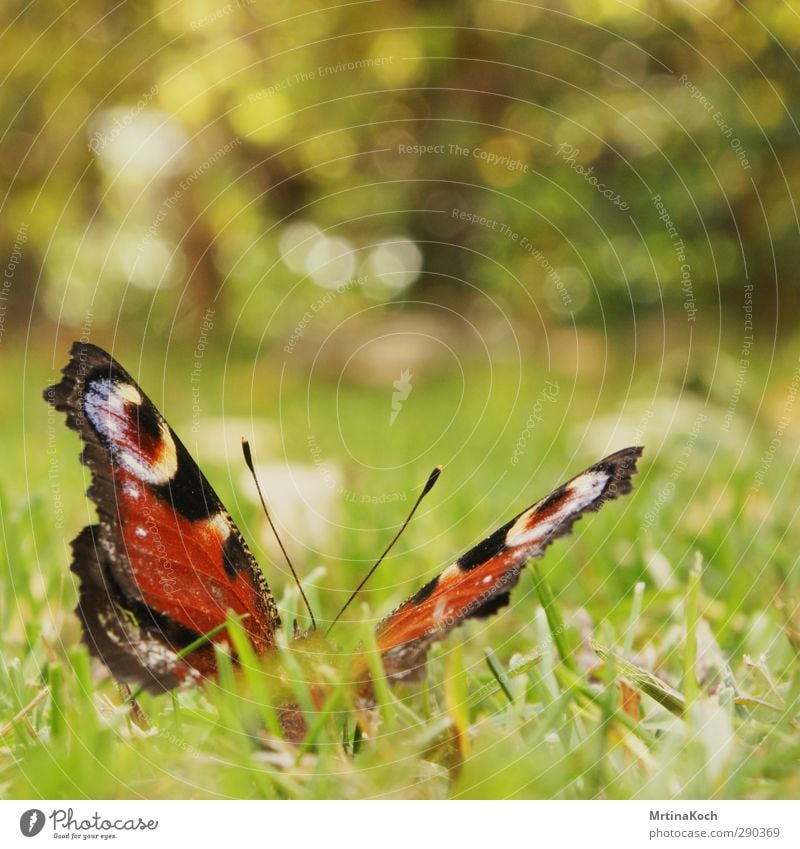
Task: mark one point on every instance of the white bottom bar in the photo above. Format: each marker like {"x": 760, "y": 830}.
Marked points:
{"x": 394, "y": 825}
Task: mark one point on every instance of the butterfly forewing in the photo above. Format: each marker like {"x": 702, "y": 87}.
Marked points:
{"x": 165, "y": 563}
{"x": 480, "y": 582}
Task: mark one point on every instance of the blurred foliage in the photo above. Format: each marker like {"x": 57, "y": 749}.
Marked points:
{"x": 164, "y": 155}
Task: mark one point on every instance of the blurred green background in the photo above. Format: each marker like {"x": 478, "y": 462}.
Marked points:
{"x": 506, "y": 237}
{"x": 166, "y": 155}
{"x": 270, "y": 211}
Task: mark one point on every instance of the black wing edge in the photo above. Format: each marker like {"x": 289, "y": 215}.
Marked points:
{"x": 407, "y": 662}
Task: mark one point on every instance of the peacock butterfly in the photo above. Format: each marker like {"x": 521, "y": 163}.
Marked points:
{"x": 165, "y": 563}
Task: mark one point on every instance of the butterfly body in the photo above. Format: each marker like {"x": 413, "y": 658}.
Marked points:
{"x": 165, "y": 565}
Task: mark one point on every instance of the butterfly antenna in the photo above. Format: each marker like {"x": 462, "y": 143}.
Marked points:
{"x": 432, "y": 478}
{"x": 248, "y": 458}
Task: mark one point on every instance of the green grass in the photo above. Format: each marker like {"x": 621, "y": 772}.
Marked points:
{"x": 528, "y": 704}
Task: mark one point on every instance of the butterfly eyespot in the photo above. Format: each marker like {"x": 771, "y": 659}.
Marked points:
{"x": 141, "y": 533}
{"x": 158, "y": 469}
{"x": 138, "y": 439}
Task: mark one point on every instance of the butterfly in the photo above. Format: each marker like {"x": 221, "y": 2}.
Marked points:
{"x": 165, "y": 564}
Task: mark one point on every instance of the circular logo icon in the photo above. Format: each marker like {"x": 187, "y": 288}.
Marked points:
{"x": 31, "y": 822}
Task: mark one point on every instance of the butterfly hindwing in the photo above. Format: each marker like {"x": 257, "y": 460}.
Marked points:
{"x": 165, "y": 562}
{"x": 480, "y": 582}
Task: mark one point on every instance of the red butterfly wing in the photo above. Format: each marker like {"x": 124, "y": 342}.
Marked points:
{"x": 166, "y": 562}
{"x": 480, "y": 582}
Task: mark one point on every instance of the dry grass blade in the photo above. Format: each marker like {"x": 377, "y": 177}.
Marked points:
{"x": 9, "y": 726}
{"x": 645, "y": 681}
